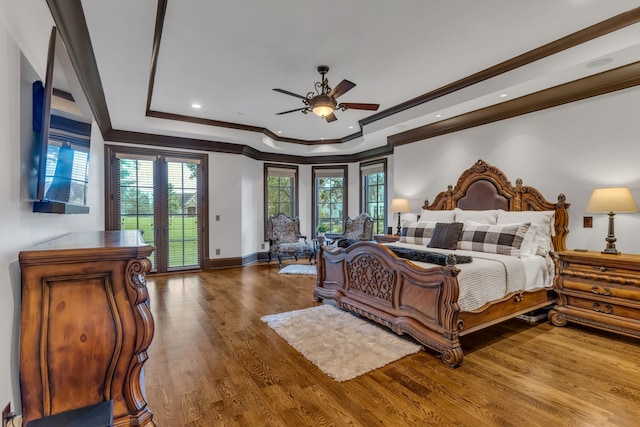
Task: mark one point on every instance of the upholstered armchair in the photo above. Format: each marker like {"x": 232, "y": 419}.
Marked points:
{"x": 359, "y": 228}
{"x": 285, "y": 239}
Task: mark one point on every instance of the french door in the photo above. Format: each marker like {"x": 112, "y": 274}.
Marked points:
{"x": 161, "y": 194}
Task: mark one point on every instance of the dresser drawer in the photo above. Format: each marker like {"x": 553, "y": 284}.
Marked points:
{"x": 603, "y": 307}
{"x": 602, "y": 288}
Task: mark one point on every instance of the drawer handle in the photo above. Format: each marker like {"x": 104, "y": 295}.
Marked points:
{"x": 606, "y": 310}
{"x": 603, "y": 269}
{"x": 596, "y": 290}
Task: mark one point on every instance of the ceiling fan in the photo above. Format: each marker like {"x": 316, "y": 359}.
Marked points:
{"x": 323, "y": 101}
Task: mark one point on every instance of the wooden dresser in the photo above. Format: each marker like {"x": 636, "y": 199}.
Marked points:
{"x": 85, "y": 325}
{"x": 598, "y": 290}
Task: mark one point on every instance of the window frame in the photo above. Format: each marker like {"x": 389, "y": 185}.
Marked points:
{"x": 265, "y": 193}
{"x": 364, "y": 192}
{"x": 345, "y": 194}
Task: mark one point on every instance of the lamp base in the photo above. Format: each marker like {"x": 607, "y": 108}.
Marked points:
{"x": 611, "y": 238}
{"x": 611, "y": 251}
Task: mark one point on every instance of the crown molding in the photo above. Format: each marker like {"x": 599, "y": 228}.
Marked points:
{"x": 69, "y": 18}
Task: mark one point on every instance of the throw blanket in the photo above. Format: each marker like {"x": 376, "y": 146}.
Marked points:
{"x": 430, "y": 257}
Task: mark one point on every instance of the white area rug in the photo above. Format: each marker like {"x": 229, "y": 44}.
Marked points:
{"x": 342, "y": 345}
{"x": 299, "y": 269}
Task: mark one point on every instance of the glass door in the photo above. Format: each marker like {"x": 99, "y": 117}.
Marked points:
{"x": 162, "y": 196}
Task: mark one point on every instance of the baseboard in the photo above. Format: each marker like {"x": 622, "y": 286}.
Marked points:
{"x": 217, "y": 263}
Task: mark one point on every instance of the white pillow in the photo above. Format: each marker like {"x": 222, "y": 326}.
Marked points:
{"x": 437, "y": 216}
{"x": 545, "y": 220}
{"x": 481, "y": 217}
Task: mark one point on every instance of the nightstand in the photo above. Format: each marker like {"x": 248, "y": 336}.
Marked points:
{"x": 386, "y": 238}
{"x": 598, "y": 290}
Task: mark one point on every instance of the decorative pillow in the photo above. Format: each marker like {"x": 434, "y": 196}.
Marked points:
{"x": 436, "y": 216}
{"x": 498, "y": 239}
{"x": 430, "y": 257}
{"x": 446, "y": 235}
{"x": 545, "y": 221}
{"x": 482, "y": 217}
{"x": 417, "y": 233}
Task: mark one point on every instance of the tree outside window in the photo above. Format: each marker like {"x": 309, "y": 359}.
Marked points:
{"x": 330, "y": 199}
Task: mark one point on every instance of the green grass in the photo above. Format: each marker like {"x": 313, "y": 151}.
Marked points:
{"x": 183, "y": 240}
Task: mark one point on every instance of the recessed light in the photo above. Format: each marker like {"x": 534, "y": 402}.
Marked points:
{"x": 599, "y": 62}
{"x": 438, "y": 115}
{"x": 350, "y": 127}
{"x": 196, "y": 106}
{"x": 279, "y": 131}
{"x": 503, "y": 95}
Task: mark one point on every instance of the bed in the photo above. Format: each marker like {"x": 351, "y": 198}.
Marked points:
{"x": 430, "y": 302}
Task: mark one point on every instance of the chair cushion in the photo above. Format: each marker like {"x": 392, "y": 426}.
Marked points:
{"x": 294, "y": 248}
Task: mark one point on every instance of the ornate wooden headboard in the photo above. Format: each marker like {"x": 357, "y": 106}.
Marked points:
{"x": 483, "y": 187}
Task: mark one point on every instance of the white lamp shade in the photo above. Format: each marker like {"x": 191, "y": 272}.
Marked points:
{"x": 400, "y": 205}
{"x": 617, "y": 200}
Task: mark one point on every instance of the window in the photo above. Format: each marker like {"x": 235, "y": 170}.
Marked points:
{"x": 330, "y": 198}
{"x": 374, "y": 193}
{"x": 280, "y": 191}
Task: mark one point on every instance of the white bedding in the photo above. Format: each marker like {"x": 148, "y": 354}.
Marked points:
{"x": 491, "y": 276}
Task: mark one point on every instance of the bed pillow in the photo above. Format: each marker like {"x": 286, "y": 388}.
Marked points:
{"x": 482, "y": 217}
{"x": 417, "y": 233}
{"x": 505, "y": 239}
{"x": 436, "y": 216}
{"x": 544, "y": 220}
{"x": 446, "y": 235}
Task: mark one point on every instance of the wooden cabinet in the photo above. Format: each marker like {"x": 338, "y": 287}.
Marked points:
{"x": 85, "y": 325}
{"x": 598, "y": 290}
{"x": 386, "y": 238}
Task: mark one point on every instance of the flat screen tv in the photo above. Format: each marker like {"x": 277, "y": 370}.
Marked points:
{"x": 62, "y": 125}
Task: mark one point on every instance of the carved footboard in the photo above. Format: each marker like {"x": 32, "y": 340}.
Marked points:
{"x": 368, "y": 279}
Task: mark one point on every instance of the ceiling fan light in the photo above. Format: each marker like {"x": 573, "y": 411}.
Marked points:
{"x": 322, "y": 105}
{"x": 322, "y": 110}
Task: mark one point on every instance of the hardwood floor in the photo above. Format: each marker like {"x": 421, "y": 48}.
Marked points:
{"x": 213, "y": 362}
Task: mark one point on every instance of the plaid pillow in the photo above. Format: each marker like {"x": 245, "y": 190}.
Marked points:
{"x": 418, "y": 233}
{"x": 497, "y": 239}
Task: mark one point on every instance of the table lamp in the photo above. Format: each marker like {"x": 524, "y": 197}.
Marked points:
{"x": 611, "y": 201}
{"x": 400, "y": 206}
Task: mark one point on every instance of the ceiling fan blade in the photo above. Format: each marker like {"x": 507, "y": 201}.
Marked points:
{"x": 331, "y": 118}
{"x": 359, "y": 106}
{"x": 286, "y": 92}
{"x": 291, "y": 111}
{"x": 342, "y": 88}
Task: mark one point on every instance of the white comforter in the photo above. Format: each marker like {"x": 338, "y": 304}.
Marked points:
{"x": 490, "y": 276}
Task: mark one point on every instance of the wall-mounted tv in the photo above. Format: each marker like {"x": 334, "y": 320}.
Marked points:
{"x": 62, "y": 125}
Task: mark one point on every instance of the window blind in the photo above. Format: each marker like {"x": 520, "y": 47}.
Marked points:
{"x": 281, "y": 172}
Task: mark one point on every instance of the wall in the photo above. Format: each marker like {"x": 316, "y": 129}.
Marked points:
{"x": 20, "y": 227}
{"x": 225, "y": 200}
{"x": 570, "y": 149}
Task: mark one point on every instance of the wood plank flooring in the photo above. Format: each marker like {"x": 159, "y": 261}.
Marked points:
{"x": 213, "y": 362}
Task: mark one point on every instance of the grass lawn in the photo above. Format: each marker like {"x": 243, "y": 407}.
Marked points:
{"x": 183, "y": 237}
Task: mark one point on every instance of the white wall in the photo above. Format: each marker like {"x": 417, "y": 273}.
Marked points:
{"x": 225, "y": 200}
{"x": 569, "y": 149}
{"x": 19, "y": 227}
{"x": 252, "y": 201}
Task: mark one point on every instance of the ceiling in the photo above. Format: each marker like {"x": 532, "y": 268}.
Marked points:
{"x": 229, "y": 55}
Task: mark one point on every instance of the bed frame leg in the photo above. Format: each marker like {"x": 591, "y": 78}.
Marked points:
{"x": 452, "y": 357}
